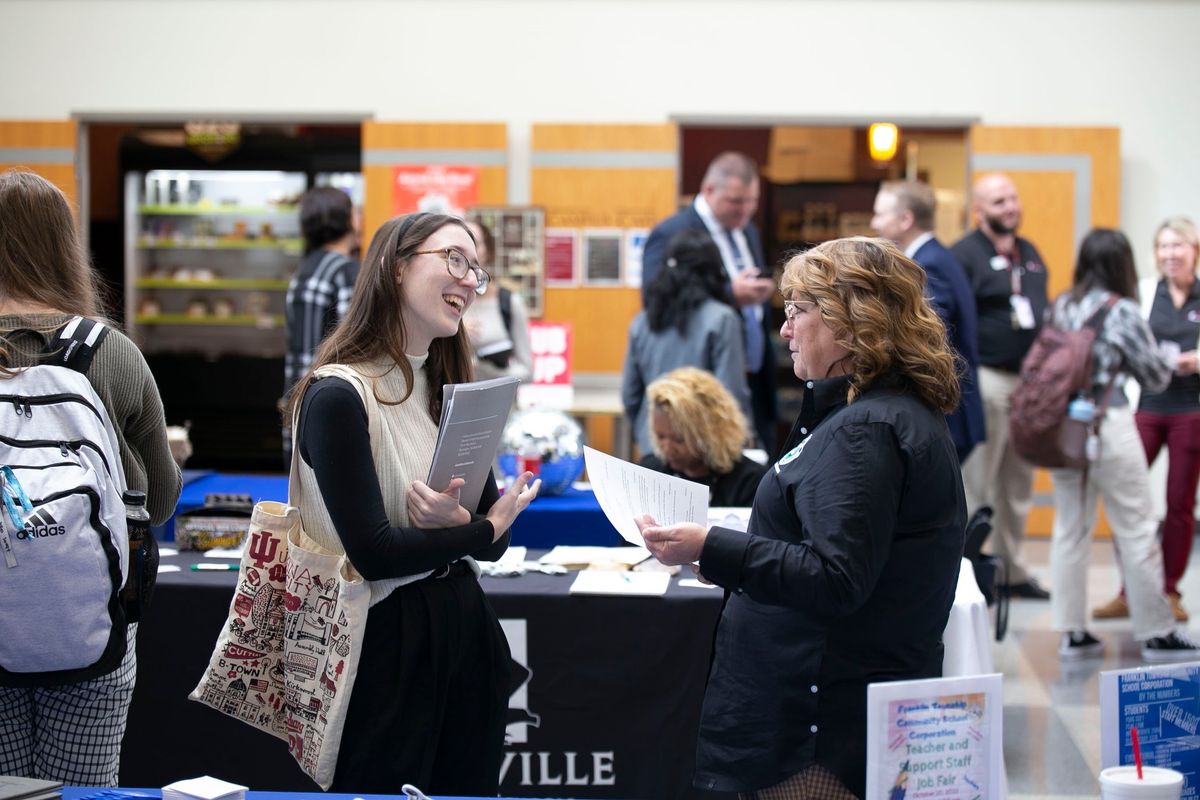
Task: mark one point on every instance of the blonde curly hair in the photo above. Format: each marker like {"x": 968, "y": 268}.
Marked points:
{"x": 703, "y": 412}
{"x": 873, "y": 299}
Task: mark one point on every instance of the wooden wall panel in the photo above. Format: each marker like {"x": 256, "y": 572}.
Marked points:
{"x": 1069, "y": 180}
{"x": 47, "y": 148}
{"x": 602, "y": 176}
{"x": 390, "y": 144}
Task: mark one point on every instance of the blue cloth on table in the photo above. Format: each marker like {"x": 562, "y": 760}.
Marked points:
{"x": 573, "y": 517}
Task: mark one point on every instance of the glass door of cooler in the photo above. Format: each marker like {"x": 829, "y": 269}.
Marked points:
{"x": 208, "y": 258}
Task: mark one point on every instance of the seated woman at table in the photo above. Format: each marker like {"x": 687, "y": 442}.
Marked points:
{"x": 72, "y": 732}
{"x": 848, "y": 569}
{"x": 697, "y": 432}
{"x": 429, "y": 703}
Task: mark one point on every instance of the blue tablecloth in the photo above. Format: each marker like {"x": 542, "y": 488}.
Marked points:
{"x": 572, "y": 518}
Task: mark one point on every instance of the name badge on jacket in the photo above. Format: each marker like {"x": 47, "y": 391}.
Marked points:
{"x": 1022, "y": 313}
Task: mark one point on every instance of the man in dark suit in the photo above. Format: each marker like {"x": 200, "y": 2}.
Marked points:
{"x": 904, "y": 214}
{"x": 724, "y": 207}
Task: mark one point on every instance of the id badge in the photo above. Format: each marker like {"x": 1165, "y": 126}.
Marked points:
{"x": 1022, "y": 312}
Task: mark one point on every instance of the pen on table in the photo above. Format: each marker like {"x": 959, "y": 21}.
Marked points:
{"x": 215, "y": 567}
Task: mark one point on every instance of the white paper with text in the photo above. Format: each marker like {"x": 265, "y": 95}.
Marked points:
{"x": 625, "y": 491}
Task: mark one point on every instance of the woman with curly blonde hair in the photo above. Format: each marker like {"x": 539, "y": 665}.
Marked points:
{"x": 847, "y": 571}
{"x": 697, "y": 432}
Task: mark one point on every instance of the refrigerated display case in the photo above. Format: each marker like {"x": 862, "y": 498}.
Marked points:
{"x": 208, "y": 259}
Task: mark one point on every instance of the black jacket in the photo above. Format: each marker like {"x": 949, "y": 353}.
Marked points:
{"x": 845, "y": 577}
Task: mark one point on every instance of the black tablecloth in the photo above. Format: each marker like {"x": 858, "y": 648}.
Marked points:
{"x": 612, "y": 698}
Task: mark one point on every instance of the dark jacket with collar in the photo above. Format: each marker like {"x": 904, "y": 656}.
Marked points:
{"x": 949, "y": 292}
{"x": 845, "y": 577}
{"x": 762, "y": 383}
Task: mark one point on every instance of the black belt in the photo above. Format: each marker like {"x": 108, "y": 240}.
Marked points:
{"x": 446, "y": 570}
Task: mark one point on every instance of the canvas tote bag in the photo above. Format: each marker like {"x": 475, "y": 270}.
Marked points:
{"x": 287, "y": 656}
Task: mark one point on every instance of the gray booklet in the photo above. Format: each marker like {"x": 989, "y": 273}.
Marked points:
{"x": 473, "y": 417}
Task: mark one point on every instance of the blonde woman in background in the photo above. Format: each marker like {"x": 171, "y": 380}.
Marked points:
{"x": 697, "y": 432}
{"x": 1171, "y": 418}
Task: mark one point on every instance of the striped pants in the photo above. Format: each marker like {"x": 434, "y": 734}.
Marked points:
{"x": 69, "y": 733}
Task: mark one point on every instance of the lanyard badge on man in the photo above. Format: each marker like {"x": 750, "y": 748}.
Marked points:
{"x": 1022, "y": 309}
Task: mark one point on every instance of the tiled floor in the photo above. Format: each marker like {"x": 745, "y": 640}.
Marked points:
{"x": 1051, "y": 709}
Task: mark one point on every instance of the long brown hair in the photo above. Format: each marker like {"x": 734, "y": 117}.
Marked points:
{"x": 873, "y": 299}
{"x": 42, "y": 260}
{"x": 373, "y": 328}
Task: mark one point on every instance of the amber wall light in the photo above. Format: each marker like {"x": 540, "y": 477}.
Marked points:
{"x": 882, "y": 138}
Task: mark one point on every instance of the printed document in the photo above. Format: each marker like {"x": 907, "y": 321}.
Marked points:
{"x": 625, "y": 491}
{"x": 473, "y": 417}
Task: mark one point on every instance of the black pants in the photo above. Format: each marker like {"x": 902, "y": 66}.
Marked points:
{"x": 430, "y": 701}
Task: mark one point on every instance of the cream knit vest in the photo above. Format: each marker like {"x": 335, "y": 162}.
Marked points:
{"x": 403, "y": 438}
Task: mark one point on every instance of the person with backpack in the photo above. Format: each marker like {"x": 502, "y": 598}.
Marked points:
{"x": 497, "y": 323}
{"x": 53, "y": 726}
{"x": 1105, "y": 283}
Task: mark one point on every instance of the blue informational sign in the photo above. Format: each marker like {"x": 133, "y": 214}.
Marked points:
{"x": 1163, "y": 703}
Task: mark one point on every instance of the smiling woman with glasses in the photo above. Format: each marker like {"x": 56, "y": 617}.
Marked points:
{"x": 847, "y": 571}
{"x": 365, "y": 425}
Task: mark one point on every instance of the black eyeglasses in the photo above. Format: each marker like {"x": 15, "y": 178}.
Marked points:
{"x": 458, "y": 266}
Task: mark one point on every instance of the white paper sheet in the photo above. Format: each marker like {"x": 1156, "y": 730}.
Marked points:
{"x": 621, "y": 582}
{"x": 585, "y": 554}
{"x": 625, "y": 491}
{"x": 515, "y": 554}
{"x": 222, "y": 552}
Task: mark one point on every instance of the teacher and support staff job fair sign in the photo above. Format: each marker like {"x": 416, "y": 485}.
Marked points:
{"x": 938, "y": 739}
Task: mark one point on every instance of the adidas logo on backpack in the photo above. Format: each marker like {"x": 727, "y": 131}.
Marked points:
{"x": 63, "y": 538}
{"x": 41, "y": 524}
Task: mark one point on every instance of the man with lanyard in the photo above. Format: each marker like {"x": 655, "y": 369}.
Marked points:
{"x": 724, "y": 208}
{"x": 1008, "y": 278}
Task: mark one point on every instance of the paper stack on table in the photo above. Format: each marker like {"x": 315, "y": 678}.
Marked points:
{"x": 621, "y": 582}
{"x": 204, "y": 788}
{"x": 582, "y": 555}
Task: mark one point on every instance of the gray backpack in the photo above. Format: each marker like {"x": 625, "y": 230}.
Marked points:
{"x": 62, "y": 522}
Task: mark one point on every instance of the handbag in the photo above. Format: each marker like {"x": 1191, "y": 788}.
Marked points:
{"x": 286, "y": 658}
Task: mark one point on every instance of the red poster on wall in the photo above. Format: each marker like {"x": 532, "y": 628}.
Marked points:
{"x": 434, "y": 187}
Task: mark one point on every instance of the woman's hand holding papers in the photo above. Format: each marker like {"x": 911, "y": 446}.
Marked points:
{"x": 430, "y": 509}
{"x": 512, "y": 502}
{"x": 672, "y": 544}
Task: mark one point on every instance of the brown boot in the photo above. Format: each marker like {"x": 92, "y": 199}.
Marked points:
{"x": 1181, "y": 614}
{"x": 1116, "y": 608}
